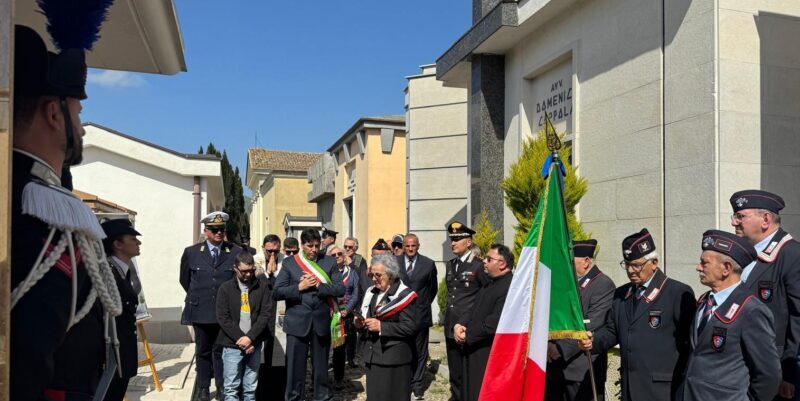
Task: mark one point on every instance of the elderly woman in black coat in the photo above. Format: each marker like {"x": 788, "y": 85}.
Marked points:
{"x": 388, "y": 320}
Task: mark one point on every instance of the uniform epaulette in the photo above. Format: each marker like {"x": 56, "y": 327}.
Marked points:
{"x": 60, "y": 208}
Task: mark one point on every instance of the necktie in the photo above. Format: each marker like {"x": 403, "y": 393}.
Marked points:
{"x": 709, "y": 308}
{"x": 640, "y": 291}
{"x": 410, "y": 263}
{"x": 215, "y": 255}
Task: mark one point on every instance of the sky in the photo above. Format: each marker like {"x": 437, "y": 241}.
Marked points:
{"x": 285, "y": 75}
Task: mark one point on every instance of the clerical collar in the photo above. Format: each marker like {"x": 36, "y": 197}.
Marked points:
{"x": 41, "y": 169}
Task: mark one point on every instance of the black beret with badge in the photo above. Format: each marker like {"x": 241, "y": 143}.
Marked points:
{"x": 739, "y": 249}
{"x": 756, "y": 199}
{"x": 584, "y": 249}
{"x": 456, "y": 230}
{"x": 636, "y": 246}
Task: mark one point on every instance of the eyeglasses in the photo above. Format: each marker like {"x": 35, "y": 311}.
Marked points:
{"x": 349, "y": 247}
{"x": 625, "y": 265}
{"x": 337, "y": 254}
{"x": 738, "y": 217}
{"x": 396, "y": 245}
{"x": 271, "y": 251}
{"x": 377, "y": 276}
{"x": 491, "y": 259}
{"x": 215, "y": 229}
{"x": 290, "y": 252}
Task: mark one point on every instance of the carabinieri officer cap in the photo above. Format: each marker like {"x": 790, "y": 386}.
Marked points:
{"x": 739, "y": 249}
{"x": 457, "y": 231}
{"x": 637, "y": 245}
{"x": 756, "y": 199}
{"x": 381, "y": 245}
{"x": 584, "y": 249}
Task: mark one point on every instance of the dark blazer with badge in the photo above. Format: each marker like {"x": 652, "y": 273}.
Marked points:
{"x": 734, "y": 356}
{"x": 463, "y": 279}
{"x": 653, "y": 338}
{"x": 126, "y": 322}
{"x": 309, "y": 309}
{"x": 201, "y": 278}
{"x": 45, "y": 352}
{"x": 423, "y": 281}
{"x": 775, "y": 281}
{"x": 596, "y": 294}
{"x": 481, "y": 323}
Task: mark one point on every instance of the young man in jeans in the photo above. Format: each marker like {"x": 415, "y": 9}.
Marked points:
{"x": 244, "y": 311}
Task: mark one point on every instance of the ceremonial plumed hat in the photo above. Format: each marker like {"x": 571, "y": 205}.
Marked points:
{"x": 729, "y": 244}
{"x": 381, "y": 245}
{"x": 756, "y": 199}
{"x": 456, "y": 230}
{"x": 215, "y": 219}
{"x": 637, "y": 245}
{"x": 116, "y": 227}
{"x": 397, "y": 239}
{"x": 39, "y": 72}
{"x": 584, "y": 249}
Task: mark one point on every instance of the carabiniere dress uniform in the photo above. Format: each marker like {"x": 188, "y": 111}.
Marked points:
{"x": 568, "y": 376}
{"x": 464, "y": 278}
{"x": 733, "y": 349}
{"x": 652, "y": 330}
{"x": 775, "y": 280}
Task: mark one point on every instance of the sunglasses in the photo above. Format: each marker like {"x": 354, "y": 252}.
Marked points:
{"x": 348, "y": 247}
{"x": 271, "y": 250}
{"x": 290, "y": 251}
{"x": 337, "y": 254}
{"x": 216, "y": 229}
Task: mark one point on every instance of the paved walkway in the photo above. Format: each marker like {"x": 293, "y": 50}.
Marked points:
{"x": 175, "y": 366}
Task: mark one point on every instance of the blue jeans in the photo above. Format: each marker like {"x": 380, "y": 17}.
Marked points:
{"x": 240, "y": 370}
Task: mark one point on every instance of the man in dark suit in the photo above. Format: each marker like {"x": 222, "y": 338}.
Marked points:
{"x": 733, "y": 344}
{"x": 476, "y": 329}
{"x": 309, "y": 285}
{"x": 121, "y": 247}
{"x": 419, "y": 273}
{"x": 465, "y": 277}
{"x": 775, "y": 276}
{"x": 650, "y": 320}
{"x": 204, "y": 267}
{"x": 568, "y": 376}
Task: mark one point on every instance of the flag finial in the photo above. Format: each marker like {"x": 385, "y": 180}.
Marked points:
{"x": 553, "y": 143}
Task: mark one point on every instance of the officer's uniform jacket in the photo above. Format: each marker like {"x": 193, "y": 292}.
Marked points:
{"x": 201, "y": 279}
{"x": 596, "y": 294}
{"x": 775, "y": 281}
{"x": 653, "y": 339}
{"x": 463, "y": 280}
{"x": 126, "y": 322}
{"x": 734, "y": 356}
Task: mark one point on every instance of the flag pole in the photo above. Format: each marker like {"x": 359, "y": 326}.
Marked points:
{"x": 554, "y": 145}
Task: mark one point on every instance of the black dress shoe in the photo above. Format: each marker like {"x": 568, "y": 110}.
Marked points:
{"x": 203, "y": 395}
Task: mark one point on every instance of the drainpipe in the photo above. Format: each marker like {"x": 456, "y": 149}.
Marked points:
{"x": 196, "y": 215}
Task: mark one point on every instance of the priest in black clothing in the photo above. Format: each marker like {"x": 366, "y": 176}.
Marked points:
{"x": 475, "y": 331}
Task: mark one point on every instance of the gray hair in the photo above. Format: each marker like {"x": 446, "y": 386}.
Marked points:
{"x": 734, "y": 265}
{"x": 776, "y": 218}
{"x": 355, "y": 241}
{"x": 651, "y": 256}
{"x": 390, "y": 265}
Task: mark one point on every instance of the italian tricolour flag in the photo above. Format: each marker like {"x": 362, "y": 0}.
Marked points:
{"x": 542, "y": 304}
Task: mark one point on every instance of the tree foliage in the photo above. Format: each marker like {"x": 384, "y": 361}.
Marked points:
{"x": 485, "y": 235}
{"x": 524, "y": 185}
{"x": 238, "y": 225}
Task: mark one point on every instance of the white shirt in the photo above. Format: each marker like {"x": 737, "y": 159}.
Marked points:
{"x": 122, "y": 265}
{"x": 759, "y": 248}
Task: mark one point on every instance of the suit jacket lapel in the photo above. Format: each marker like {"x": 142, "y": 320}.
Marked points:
{"x": 206, "y": 252}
